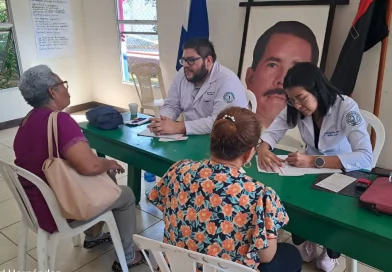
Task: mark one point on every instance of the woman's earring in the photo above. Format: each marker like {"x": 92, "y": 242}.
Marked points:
{"x": 248, "y": 164}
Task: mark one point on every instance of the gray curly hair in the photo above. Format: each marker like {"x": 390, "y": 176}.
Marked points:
{"x": 35, "y": 83}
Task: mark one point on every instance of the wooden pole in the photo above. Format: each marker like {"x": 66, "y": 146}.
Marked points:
{"x": 381, "y": 69}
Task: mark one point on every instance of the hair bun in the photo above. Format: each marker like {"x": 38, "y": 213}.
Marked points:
{"x": 235, "y": 131}
{"x": 224, "y": 128}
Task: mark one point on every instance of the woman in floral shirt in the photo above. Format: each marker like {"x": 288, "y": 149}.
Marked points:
{"x": 212, "y": 208}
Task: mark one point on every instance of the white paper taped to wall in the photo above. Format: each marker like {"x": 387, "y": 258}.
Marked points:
{"x": 52, "y": 22}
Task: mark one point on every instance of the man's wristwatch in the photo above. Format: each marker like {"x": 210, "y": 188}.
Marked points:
{"x": 319, "y": 162}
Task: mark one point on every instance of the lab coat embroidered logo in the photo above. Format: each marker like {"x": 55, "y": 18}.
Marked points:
{"x": 353, "y": 118}
{"x": 228, "y": 97}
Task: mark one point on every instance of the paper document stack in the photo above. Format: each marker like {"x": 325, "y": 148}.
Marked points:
{"x": 163, "y": 138}
{"x": 336, "y": 182}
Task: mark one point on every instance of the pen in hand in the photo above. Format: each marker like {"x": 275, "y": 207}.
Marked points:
{"x": 291, "y": 153}
{"x": 280, "y": 169}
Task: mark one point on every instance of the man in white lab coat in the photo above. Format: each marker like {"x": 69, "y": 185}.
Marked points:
{"x": 201, "y": 89}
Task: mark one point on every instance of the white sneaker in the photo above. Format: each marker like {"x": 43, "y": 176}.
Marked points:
{"x": 325, "y": 263}
{"x": 308, "y": 251}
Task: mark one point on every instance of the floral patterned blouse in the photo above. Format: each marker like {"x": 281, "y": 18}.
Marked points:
{"x": 214, "y": 209}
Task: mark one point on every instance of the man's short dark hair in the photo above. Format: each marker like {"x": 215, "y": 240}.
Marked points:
{"x": 202, "y": 46}
{"x": 294, "y": 28}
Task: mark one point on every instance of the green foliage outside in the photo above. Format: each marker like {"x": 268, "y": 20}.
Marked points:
{"x": 9, "y": 76}
{"x": 3, "y": 12}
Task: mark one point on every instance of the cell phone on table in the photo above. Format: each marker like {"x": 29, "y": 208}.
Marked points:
{"x": 137, "y": 121}
{"x": 362, "y": 184}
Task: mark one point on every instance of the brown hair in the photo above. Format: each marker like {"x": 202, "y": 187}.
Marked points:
{"x": 236, "y": 130}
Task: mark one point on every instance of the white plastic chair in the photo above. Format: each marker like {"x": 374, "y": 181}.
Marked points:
{"x": 378, "y": 127}
{"x": 252, "y": 101}
{"x": 184, "y": 260}
{"x": 46, "y": 242}
{"x": 144, "y": 72}
{"x": 376, "y": 124}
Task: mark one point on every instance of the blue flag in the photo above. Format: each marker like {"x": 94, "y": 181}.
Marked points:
{"x": 195, "y": 24}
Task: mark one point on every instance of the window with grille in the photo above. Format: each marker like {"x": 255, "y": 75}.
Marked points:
{"x": 137, "y": 24}
{"x": 9, "y": 66}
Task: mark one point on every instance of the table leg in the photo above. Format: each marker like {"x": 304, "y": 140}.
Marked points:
{"x": 134, "y": 181}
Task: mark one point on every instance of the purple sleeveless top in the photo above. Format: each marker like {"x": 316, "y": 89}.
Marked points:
{"x": 31, "y": 151}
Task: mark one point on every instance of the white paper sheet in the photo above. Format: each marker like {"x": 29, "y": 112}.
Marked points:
{"x": 288, "y": 170}
{"x": 173, "y": 140}
{"x": 52, "y": 22}
{"x": 336, "y": 182}
{"x": 175, "y": 137}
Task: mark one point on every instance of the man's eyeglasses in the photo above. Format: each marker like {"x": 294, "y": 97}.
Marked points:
{"x": 64, "y": 83}
{"x": 300, "y": 101}
{"x": 190, "y": 61}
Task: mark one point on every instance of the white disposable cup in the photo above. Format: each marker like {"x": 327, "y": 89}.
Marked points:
{"x": 133, "y": 108}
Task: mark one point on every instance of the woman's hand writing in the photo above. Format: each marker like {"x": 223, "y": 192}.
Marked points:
{"x": 300, "y": 160}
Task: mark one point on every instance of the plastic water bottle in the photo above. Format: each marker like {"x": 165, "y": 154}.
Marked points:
{"x": 149, "y": 182}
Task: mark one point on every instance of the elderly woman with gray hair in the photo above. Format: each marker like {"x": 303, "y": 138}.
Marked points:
{"x": 47, "y": 92}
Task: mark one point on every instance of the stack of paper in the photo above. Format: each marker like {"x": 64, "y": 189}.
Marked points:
{"x": 163, "y": 138}
{"x": 288, "y": 170}
{"x": 336, "y": 182}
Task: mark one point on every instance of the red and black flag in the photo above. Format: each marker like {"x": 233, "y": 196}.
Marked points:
{"x": 369, "y": 28}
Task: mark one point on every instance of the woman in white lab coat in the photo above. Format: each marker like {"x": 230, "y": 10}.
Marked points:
{"x": 332, "y": 128}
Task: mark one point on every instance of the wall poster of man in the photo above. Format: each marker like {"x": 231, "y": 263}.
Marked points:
{"x": 277, "y": 38}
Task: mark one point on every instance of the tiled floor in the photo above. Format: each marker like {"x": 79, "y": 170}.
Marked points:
{"x": 69, "y": 258}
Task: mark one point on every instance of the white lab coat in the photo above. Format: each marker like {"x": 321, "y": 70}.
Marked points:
{"x": 222, "y": 89}
{"x": 343, "y": 133}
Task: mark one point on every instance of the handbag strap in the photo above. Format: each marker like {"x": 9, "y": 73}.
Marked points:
{"x": 53, "y": 133}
